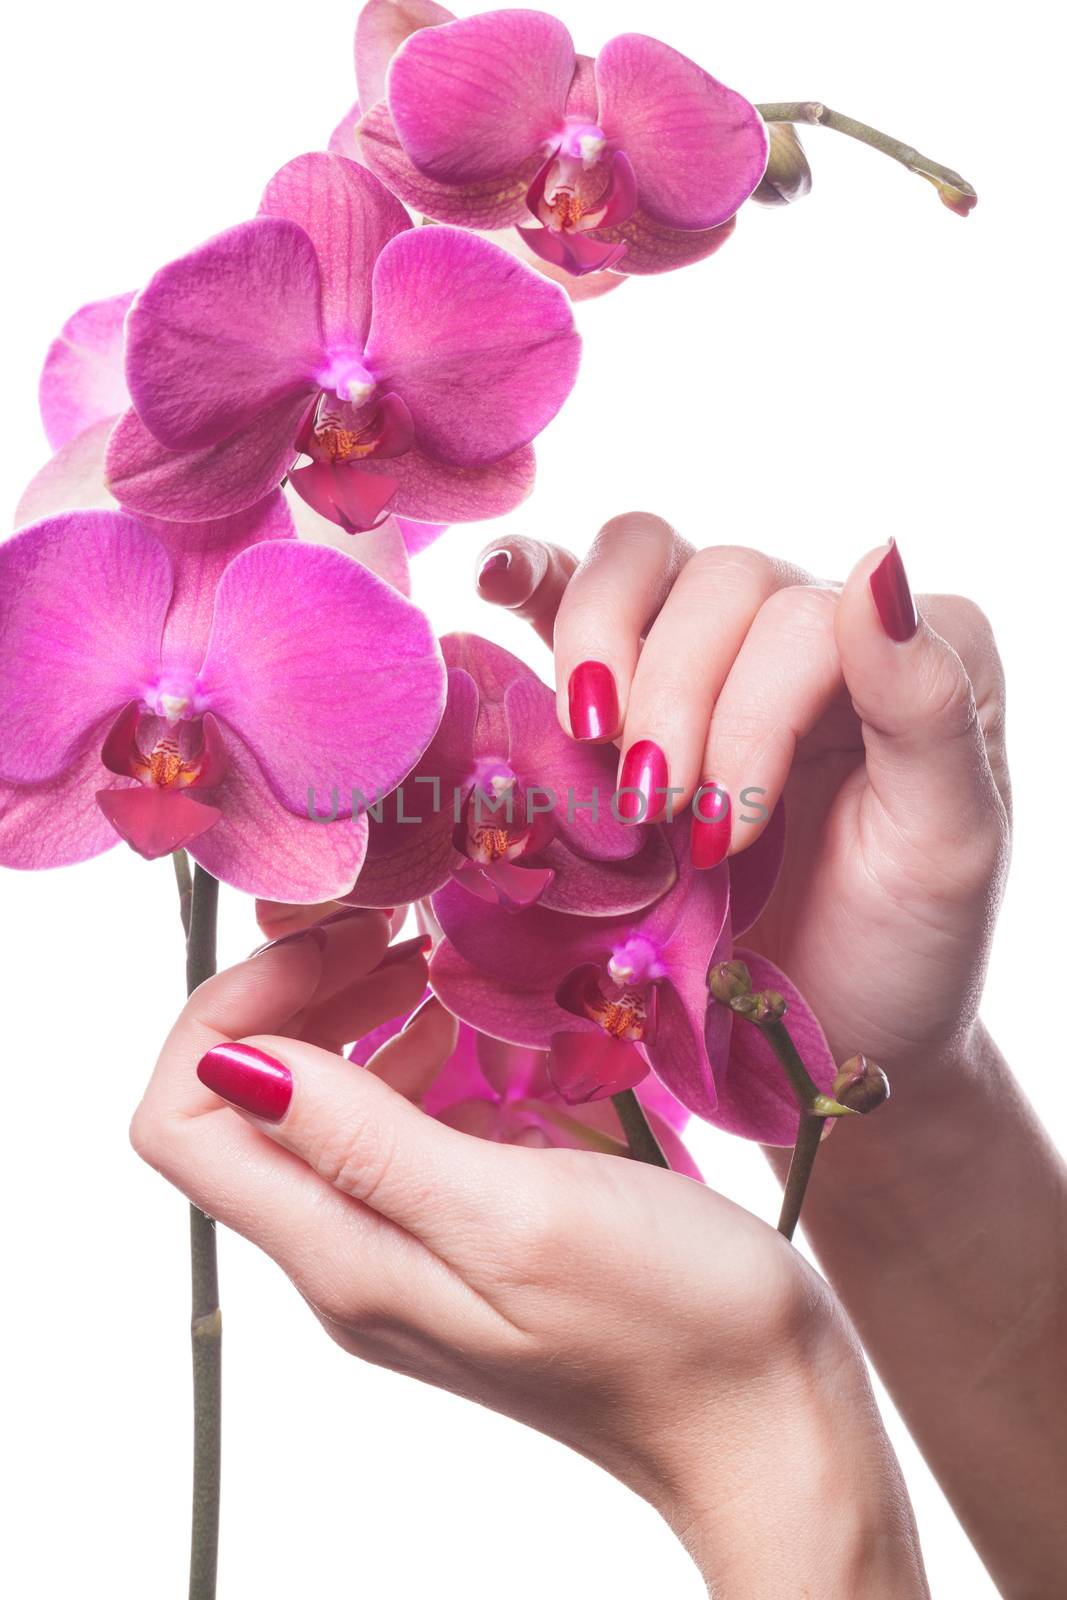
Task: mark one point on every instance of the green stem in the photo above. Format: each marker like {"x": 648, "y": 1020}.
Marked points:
{"x": 809, "y": 1137}
{"x": 644, "y": 1146}
{"x": 206, "y": 1323}
{"x": 815, "y": 113}
{"x": 184, "y": 878}
{"x": 810, "y": 1097}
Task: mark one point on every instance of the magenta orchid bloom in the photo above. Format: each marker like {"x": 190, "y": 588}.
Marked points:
{"x": 610, "y": 999}
{"x": 412, "y": 366}
{"x": 83, "y": 394}
{"x": 636, "y": 162}
{"x": 503, "y": 1092}
{"x": 503, "y": 804}
{"x": 186, "y": 685}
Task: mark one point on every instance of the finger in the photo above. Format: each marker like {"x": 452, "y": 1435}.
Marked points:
{"x": 927, "y": 765}
{"x": 785, "y": 676}
{"x": 411, "y": 1060}
{"x": 685, "y": 662}
{"x": 393, "y": 989}
{"x": 608, "y": 606}
{"x": 276, "y": 918}
{"x": 365, "y": 1140}
{"x": 527, "y": 577}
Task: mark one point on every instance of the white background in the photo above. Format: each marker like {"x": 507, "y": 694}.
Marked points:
{"x": 861, "y": 365}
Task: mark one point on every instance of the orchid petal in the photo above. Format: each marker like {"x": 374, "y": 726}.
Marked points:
{"x": 83, "y": 382}
{"x": 381, "y": 28}
{"x": 508, "y": 883}
{"x": 589, "y": 287}
{"x": 755, "y": 1098}
{"x": 678, "y": 1156}
{"x": 313, "y": 725}
{"x": 585, "y": 1067}
{"x": 607, "y": 888}
{"x": 156, "y": 822}
{"x": 677, "y": 1052}
{"x": 487, "y": 204}
{"x": 575, "y": 253}
{"x": 219, "y": 480}
{"x": 356, "y": 501}
{"x": 582, "y": 100}
{"x": 754, "y": 873}
{"x": 349, "y": 218}
{"x": 58, "y": 823}
{"x": 473, "y": 99}
{"x": 383, "y": 550}
{"x": 260, "y": 847}
{"x": 226, "y": 332}
{"x": 431, "y": 490}
{"x": 504, "y": 1010}
{"x": 418, "y": 536}
{"x": 82, "y": 602}
{"x": 659, "y": 1102}
{"x": 73, "y": 480}
{"x": 651, "y": 247}
{"x": 482, "y": 349}
{"x": 343, "y": 140}
{"x": 535, "y": 950}
{"x": 698, "y": 148}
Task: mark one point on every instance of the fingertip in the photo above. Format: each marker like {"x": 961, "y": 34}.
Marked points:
{"x": 509, "y": 571}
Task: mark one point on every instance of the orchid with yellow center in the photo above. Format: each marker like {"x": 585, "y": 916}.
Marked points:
{"x": 636, "y": 162}
{"x": 185, "y": 685}
{"x": 412, "y": 367}
{"x": 509, "y": 807}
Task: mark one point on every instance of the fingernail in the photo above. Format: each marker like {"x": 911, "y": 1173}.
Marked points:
{"x": 249, "y": 1079}
{"x": 314, "y": 933}
{"x": 593, "y": 701}
{"x": 710, "y": 838}
{"x": 396, "y": 953}
{"x": 892, "y": 596}
{"x": 644, "y": 770}
{"x": 493, "y": 567}
{"x": 420, "y": 1011}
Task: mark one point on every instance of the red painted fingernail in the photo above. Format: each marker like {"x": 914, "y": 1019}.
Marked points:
{"x": 593, "y": 701}
{"x": 421, "y": 944}
{"x": 892, "y": 596}
{"x": 493, "y": 568}
{"x": 710, "y": 838}
{"x": 644, "y": 770}
{"x": 248, "y": 1078}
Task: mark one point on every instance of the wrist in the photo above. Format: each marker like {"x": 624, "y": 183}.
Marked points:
{"x": 794, "y": 1489}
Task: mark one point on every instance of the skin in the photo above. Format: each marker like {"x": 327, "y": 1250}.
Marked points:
{"x": 495, "y": 1271}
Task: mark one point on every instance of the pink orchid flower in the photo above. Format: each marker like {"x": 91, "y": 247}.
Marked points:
{"x": 504, "y": 1092}
{"x": 413, "y": 366}
{"x": 82, "y": 395}
{"x": 381, "y": 28}
{"x": 636, "y": 162}
{"x": 509, "y": 807}
{"x": 186, "y": 685}
{"x": 610, "y": 999}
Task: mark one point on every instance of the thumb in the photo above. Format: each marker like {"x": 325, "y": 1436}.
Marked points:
{"x": 927, "y": 764}
{"x": 527, "y": 577}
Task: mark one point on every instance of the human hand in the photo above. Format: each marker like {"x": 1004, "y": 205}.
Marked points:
{"x": 886, "y": 741}
{"x": 630, "y": 1312}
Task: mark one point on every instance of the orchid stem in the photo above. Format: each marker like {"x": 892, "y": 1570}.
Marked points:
{"x": 814, "y": 112}
{"x": 184, "y": 879}
{"x": 644, "y": 1146}
{"x": 809, "y": 1137}
{"x": 199, "y": 904}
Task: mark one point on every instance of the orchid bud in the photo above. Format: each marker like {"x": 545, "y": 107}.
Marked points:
{"x": 861, "y": 1085}
{"x": 729, "y": 980}
{"x": 763, "y": 1008}
{"x": 788, "y": 176}
{"x": 959, "y": 197}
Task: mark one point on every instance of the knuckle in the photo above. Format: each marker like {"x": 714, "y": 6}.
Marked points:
{"x": 730, "y": 569}
{"x": 354, "y": 1160}
{"x": 145, "y": 1134}
{"x": 950, "y": 700}
{"x": 801, "y": 611}
{"x": 635, "y": 525}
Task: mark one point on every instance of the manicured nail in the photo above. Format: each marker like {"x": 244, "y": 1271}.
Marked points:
{"x": 593, "y": 701}
{"x": 493, "y": 567}
{"x": 315, "y": 934}
{"x": 892, "y": 596}
{"x": 710, "y": 838}
{"x": 421, "y": 944}
{"x": 249, "y": 1079}
{"x": 424, "y": 1006}
{"x": 644, "y": 770}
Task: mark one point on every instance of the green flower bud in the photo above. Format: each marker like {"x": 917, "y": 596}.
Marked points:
{"x": 788, "y": 176}
{"x": 861, "y": 1085}
{"x": 729, "y": 980}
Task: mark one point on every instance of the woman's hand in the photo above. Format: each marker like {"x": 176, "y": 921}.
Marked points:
{"x": 632, "y": 1313}
{"x": 883, "y": 730}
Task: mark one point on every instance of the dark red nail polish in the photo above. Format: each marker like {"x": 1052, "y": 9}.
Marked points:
{"x": 421, "y": 944}
{"x": 249, "y": 1079}
{"x": 710, "y": 838}
{"x": 493, "y": 567}
{"x": 892, "y": 596}
{"x": 593, "y": 701}
{"x": 644, "y": 771}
